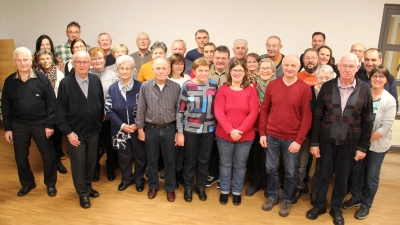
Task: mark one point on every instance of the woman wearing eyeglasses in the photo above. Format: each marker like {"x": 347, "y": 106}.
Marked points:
{"x": 76, "y": 45}
{"x": 107, "y": 77}
{"x": 236, "y": 110}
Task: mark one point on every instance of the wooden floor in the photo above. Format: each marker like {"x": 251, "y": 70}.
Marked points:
{"x": 130, "y": 207}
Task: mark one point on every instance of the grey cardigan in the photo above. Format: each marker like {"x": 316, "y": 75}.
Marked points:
{"x": 383, "y": 123}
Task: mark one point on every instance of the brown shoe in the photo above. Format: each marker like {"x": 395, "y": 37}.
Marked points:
{"x": 152, "y": 193}
{"x": 171, "y": 196}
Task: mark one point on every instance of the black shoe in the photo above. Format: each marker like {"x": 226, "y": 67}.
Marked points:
{"x": 140, "y": 187}
{"x": 296, "y": 195}
{"x": 122, "y": 186}
{"x": 337, "y": 217}
{"x": 306, "y": 189}
{"x": 313, "y": 213}
{"x": 223, "y": 199}
{"x": 350, "y": 203}
{"x": 84, "y": 202}
{"x": 237, "y": 199}
{"x": 252, "y": 190}
{"x": 25, "y": 190}
{"x": 361, "y": 213}
{"x": 110, "y": 175}
{"x": 187, "y": 196}
{"x": 51, "y": 191}
{"x": 202, "y": 194}
{"x": 179, "y": 177}
{"x": 93, "y": 193}
{"x": 61, "y": 168}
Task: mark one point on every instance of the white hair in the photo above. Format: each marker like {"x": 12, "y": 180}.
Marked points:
{"x": 22, "y": 50}
{"x": 240, "y": 41}
{"x": 350, "y": 55}
{"x": 79, "y": 52}
{"x": 125, "y": 58}
{"x": 325, "y": 69}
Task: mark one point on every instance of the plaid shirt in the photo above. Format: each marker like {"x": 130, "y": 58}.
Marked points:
{"x": 64, "y": 51}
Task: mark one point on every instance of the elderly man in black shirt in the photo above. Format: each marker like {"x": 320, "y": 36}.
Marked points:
{"x": 156, "y": 112}
{"x": 28, "y": 112}
{"x": 79, "y": 114}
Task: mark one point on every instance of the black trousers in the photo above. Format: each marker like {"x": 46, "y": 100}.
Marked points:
{"x": 197, "y": 152}
{"x": 336, "y": 159}
{"x": 56, "y": 140}
{"x": 83, "y": 161}
{"x": 256, "y": 163}
{"x": 125, "y": 158}
{"x": 22, "y": 135}
{"x": 105, "y": 142}
{"x": 213, "y": 168}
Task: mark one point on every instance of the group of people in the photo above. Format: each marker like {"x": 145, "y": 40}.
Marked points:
{"x": 204, "y": 115}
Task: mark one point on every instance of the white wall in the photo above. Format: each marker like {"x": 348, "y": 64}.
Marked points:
{"x": 344, "y": 22}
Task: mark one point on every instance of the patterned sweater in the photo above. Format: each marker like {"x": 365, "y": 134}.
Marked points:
{"x": 353, "y": 126}
{"x": 195, "y": 113}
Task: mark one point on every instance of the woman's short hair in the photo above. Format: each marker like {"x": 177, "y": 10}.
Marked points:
{"x": 268, "y": 61}
{"x": 44, "y": 52}
{"x": 125, "y": 58}
{"x": 382, "y": 70}
{"x": 118, "y": 47}
{"x": 253, "y": 55}
{"x": 330, "y": 61}
{"x": 75, "y": 41}
{"x": 200, "y": 62}
{"x": 93, "y": 51}
{"x": 175, "y": 58}
{"x": 159, "y": 44}
{"x": 325, "y": 69}
{"x": 245, "y": 82}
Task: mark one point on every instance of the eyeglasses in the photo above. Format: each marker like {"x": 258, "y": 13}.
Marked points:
{"x": 376, "y": 76}
{"x": 237, "y": 71}
{"x": 81, "y": 62}
{"x": 73, "y": 32}
{"x": 351, "y": 67}
{"x": 142, "y": 39}
{"x": 310, "y": 58}
{"x": 265, "y": 68}
{"x": 98, "y": 59}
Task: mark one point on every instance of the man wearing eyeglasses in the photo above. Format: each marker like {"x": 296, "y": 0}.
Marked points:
{"x": 79, "y": 115}
{"x": 73, "y": 31}
{"x": 341, "y": 132}
{"x": 143, "y": 55}
{"x": 310, "y": 62}
{"x": 359, "y": 50}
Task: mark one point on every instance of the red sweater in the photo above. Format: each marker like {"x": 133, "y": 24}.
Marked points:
{"x": 236, "y": 110}
{"x": 285, "y": 112}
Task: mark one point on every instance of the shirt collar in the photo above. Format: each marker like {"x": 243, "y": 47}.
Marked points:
{"x": 353, "y": 85}
{"x": 30, "y": 75}
{"x": 154, "y": 83}
{"x": 80, "y": 80}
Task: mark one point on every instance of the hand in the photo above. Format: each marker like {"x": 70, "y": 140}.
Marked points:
{"x": 128, "y": 129}
{"x": 104, "y": 118}
{"x": 294, "y": 147}
{"x": 49, "y": 132}
{"x": 134, "y": 127}
{"x": 141, "y": 134}
{"x": 359, "y": 155}
{"x": 314, "y": 150}
{"x": 73, "y": 139}
{"x": 180, "y": 139}
{"x": 9, "y": 137}
{"x": 235, "y": 134}
{"x": 263, "y": 141}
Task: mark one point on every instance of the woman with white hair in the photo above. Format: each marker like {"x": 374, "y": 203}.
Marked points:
{"x": 120, "y": 106}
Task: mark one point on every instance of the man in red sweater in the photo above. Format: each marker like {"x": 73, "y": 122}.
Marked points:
{"x": 285, "y": 119}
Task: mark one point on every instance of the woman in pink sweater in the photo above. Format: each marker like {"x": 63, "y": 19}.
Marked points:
{"x": 236, "y": 110}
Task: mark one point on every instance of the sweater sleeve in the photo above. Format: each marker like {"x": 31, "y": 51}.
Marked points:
{"x": 393, "y": 90}
{"x": 141, "y": 109}
{"x": 306, "y": 116}
{"x": 248, "y": 122}
{"x": 181, "y": 108}
{"x": 317, "y": 117}
{"x": 219, "y": 111}
{"x": 50, "y": 102}
{"x": 6, "y": 106}
{"x": 141, "y": 75}
{"x": 264, "y": 112}
{"x": 61, "y": 110}
{"x": 388, "y": 116}
{"x": 111, "y": 115}
{"x": 366, "y": 121}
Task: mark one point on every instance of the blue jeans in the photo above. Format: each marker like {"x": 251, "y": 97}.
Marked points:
{"x": 291, "y": 160}
{"x": 233, "y": 156}
{"x": 365, "y": 178}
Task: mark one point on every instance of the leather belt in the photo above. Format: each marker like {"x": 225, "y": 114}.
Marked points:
{"x": 160, "y": 125}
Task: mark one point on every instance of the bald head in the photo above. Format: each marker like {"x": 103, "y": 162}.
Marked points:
{"x": 143, "y": 41}
{"x": 292, "y": 57}
{"x": 359, "y": 50}
{"x": 290, "y": 66}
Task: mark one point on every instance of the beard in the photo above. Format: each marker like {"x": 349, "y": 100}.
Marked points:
{"x": 310, "y": 70}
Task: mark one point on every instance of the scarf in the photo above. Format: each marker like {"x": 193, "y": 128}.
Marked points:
{"x": 52, "y": 75}
{"x": 262, "y": 85}
{"x": 126, "y": 88}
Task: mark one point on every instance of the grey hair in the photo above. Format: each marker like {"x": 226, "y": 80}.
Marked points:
{"x": 98, "y": 37}
{"x": 240, "y": 41}
{"x": 161, "y": 60}
{"x": 269, "y": 61}
{"x": 180, "y": 40}
{"x": 44, "y": 52}
{"x": 81, "y": 51}
{"x": 159, "y": 44}
{"x": 351, "y": 55}
{"x": 22, "y": 50}
{"x": 125, "y": 58}
{"x": 325, "y": 69}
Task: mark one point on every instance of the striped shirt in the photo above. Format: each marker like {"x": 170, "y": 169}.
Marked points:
{"x": 157, "y": 106}
{"x": 345, "y": 92}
